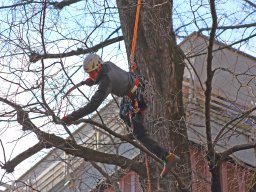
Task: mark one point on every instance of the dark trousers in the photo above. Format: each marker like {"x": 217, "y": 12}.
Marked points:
{"x": 140, "y": 133}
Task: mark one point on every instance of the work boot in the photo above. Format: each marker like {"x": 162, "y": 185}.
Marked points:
{"x": 170, "y": 162}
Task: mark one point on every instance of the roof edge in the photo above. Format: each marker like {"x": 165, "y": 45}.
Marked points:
{"x": 223, "y": 45}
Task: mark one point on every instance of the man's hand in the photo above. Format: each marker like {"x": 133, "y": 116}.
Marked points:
{"x": 66, "y": 120}
{"x": 89, "y": 82}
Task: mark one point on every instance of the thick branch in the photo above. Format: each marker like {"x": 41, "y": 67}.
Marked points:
{"x": 91, "y": 155}
{"x": 34, "y": 57}
{"x": 236, "y": 148}
{"x": 64, "y": 3}
{"x": 10, "y": 165}
{"x": 79, "y": 151}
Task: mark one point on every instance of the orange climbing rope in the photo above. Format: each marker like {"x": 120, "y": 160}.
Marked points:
{"x": 134, "y": 40}
{"x": 133, "y": 67}
{"x": 148, "y": 174}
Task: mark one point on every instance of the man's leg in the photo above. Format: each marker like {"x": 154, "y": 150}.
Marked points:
{"x": 140, "y": 133}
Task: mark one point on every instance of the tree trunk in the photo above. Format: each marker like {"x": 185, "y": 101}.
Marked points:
{"x": 214, "y": 167}
{"x": 161, "y": 61}
{"x": 215, "y": 184}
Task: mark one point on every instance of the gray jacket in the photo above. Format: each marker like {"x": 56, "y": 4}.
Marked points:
{"x": 111, "y": 79}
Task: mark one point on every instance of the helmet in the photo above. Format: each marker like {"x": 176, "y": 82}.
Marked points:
{"x": 92, "y": 62}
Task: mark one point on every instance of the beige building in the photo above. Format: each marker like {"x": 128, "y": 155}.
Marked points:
{"x": 233, "y": 93}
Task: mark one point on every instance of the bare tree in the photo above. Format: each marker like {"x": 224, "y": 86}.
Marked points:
{"x": 42, "y": 47}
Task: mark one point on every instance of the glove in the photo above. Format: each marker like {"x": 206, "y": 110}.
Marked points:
{"x": 66, "y": 120}
{"x": 89, "y": 82}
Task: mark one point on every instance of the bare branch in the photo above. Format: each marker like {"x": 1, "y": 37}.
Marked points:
{"x": 109, "y": 179}
{"x": 250, "y": 3}
{"x": 223, "y": 46}
{"x": 3, "y": 150}
{"x": 208, "y": 82}
{"x": 15, "y": 5}
{"x": 27, "y": 124}
{"x": 230, "y": 27}
{"x": 240, "y": 117}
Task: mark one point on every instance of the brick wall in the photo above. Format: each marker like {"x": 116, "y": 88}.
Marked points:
{"x": 234, "y": 178}
{"x": 130, "y": 183}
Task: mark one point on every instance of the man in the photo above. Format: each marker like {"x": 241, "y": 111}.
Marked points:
{"x": 114, "y": 80}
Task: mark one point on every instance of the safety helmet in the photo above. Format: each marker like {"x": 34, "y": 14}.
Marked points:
{"x": 92, "y": 62}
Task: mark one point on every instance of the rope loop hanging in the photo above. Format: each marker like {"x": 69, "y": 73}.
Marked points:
{"x": 148, "y": 173}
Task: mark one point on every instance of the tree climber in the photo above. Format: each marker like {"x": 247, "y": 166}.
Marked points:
{"x": 113, "y": 80}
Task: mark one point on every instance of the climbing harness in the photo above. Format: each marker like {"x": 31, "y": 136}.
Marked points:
{"x": 133, "y": 102}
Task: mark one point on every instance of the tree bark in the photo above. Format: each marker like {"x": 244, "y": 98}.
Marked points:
{"x": 161, "y": 61}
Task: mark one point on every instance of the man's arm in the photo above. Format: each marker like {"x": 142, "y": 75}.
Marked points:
{"x": 100, "y": 95}
{"x": 89, "y": 82}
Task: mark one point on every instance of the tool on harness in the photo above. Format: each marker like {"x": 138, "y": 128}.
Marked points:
{"x": 133, "y": 65}
{"x": 137, "y": 82}
{"x": 133, "y": 102}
